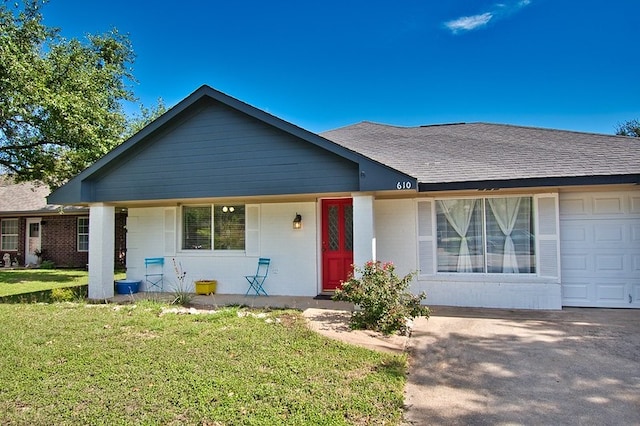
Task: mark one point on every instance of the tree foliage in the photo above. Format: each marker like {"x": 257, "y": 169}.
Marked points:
{"x": 629, "y": 128}
{"x": 60, "y": 100}
{"x": 146, "y": 115}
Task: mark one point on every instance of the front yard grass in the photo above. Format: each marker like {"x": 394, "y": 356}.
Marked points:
{"x": 103, "y": 364}
{"x": 19, "y": 281}
{"x": 22, "y": 281}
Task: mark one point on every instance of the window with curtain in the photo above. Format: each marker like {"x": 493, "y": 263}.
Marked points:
{"x": 485, "y": 235}
{"x": 9, "y": 234}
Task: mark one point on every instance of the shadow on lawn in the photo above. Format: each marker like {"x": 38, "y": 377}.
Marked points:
{"x": 25, "y": 275}
{"x": 50, "y": 295}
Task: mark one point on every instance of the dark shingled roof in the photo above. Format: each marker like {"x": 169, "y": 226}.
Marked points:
{"x": 27, "y": 198}
{"x": 491, "y": 152}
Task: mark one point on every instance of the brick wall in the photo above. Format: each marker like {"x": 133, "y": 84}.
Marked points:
{"x": 59, "y": 241}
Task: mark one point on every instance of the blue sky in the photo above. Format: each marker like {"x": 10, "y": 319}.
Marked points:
{"x": 563, "y": 64}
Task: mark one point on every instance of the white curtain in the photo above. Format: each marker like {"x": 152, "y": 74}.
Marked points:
{"x": 505, "y": 210}
{"x": 458, "y": 214}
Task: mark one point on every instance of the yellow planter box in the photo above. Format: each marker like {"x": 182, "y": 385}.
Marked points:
{"x": 206, "y": 286}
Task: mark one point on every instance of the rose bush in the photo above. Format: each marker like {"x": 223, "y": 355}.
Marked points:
{"x": 384, "y": 304}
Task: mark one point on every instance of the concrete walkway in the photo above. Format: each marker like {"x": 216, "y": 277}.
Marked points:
{"x": 488, "y": 367}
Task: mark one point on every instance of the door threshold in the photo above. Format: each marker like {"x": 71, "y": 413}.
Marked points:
{"x": 324, "y": 296}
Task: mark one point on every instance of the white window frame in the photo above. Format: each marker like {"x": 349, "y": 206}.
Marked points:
{"x": 213, "y": 250}
{"x": 483, "y": 199}
{"x": 16, "y": 235}
{"x": 81, "y": 234}
{"x": 181, "y": 224}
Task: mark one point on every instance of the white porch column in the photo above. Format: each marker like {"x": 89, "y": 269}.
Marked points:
{"x": 101, "y": 251}
{"x": 364, "y": 238}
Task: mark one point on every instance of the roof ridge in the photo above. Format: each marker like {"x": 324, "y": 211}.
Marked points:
{"x": 461, "y": 123}
{"x": 549, "y": 129}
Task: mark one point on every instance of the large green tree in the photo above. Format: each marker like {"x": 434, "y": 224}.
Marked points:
{"x": 61, "y": 101}
{"x": 146, "y": 115}
{"x": 629, "y": 128}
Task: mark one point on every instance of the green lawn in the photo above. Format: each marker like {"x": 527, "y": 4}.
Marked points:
{"x": 19, "y": 281}
{"x": 103, "y": 364}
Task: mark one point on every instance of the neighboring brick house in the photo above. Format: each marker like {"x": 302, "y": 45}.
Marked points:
{"x": 29, "y": 226}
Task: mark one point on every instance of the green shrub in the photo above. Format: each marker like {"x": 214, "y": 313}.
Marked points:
{"x": 47, "y": 264}
{"x": 381, "y": 295}
{"x": 62, "y": 295}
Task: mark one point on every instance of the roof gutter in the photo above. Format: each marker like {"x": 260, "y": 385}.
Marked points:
{"x": 487, "y": 185}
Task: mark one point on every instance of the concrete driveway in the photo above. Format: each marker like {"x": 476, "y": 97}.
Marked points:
{"x": 497, "y": 367}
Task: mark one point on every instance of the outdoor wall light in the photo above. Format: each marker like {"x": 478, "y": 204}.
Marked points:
{"x": 297, "y": 222}
{"x": 226, "y": 209}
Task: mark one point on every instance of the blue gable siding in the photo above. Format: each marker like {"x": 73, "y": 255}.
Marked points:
{"x": 213, "y": 150}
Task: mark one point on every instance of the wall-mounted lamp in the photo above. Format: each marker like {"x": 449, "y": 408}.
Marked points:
{"x": 297, "y": 222}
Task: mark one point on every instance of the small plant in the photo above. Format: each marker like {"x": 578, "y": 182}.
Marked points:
{"x": 181, "y": 292}
{"x": 381, "y": 295}
{"x": 47, "y": 264}
{"x": 62, "y": 295}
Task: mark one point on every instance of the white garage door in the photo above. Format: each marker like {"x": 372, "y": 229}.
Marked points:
{"x": 600, "y": 249}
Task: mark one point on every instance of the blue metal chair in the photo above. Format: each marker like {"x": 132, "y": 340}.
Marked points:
{"x": 154, "y": 273}
{"x": 257, "y": 281}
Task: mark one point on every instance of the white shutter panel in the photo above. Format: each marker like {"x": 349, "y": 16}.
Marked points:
{"x": 252, "y": 229}
{"x": 170, "y": 231}
{"x": 426, "y": 242}
{"x": 547, "y": 235}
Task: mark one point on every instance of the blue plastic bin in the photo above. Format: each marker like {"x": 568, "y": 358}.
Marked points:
{"x": 127, "y": 286}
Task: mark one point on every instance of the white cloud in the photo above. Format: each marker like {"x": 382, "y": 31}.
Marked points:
{"x": 468, "y": 23}
{"x": 499, "y": 11}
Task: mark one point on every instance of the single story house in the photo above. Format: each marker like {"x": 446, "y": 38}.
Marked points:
{"x": 489, "y": 215}
{"x": 31, "y": 230}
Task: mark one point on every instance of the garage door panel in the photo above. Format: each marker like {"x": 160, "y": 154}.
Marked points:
{"x": 576, "y": 291}
{"x": 573, "y": 234}
{"x": 606, "y": 264}
{"x": 635, "y": 292}
{"x": 609, "y": 233}
{"x": 612, "y": 292}
{"x": 608, "y": 205}
{"x": 578, "y": 262}
{"x": 600, "y": 249}
{"x": 573, "y": 206}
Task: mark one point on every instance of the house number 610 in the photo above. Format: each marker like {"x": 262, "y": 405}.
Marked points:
{"x": 403, "y": 185}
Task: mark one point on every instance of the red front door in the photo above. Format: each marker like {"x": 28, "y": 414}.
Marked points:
{"x": 337, "y": 242}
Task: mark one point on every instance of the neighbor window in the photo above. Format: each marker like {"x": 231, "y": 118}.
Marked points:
{"x": 83, "y": 234}
{"x": 486, "y": 235}
{"x": 9, "y": 235}
{"x": 226, "y": 221}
